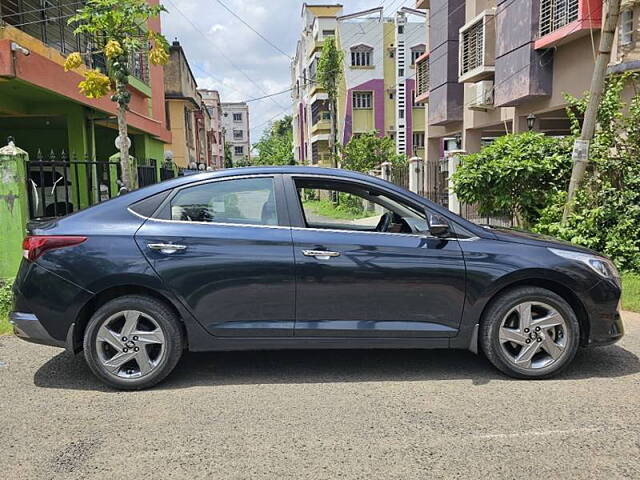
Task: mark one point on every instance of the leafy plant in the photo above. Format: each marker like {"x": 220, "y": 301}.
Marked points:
{"x": 517, "y": 175}
{"x": 5, "y": 306}
{"x": 276, "y": 144}
{"x": 365, "y": 152}
{"x": 121, "y": 27}
{"x": 606, "y": 215}
{"x": 329, "y": 74}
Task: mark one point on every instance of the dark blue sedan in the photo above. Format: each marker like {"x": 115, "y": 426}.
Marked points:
{"x": 302, "y": 257}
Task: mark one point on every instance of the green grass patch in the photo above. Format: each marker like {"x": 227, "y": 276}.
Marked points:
{"x": 631, "y": 292}
{"x": 341, "y": 211}
{"x": 5, "y": 305}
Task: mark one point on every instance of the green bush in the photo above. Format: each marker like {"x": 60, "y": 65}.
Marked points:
{"x": 606, "y": 213}
{"x": 516, "y": 176}
{"x": 5, "y": 306}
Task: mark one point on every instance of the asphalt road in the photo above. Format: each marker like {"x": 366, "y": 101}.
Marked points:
{"x": 345, "y": 414}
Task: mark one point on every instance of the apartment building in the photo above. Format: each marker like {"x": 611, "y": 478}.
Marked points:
{"x": 378, "y": 86}
{"x": 502, "y": 66}
{"x": 40, "y": 105}
{"x": 188, "y": 117}
{"x": 211, "y": 100}
{"x": 235, "y": 126}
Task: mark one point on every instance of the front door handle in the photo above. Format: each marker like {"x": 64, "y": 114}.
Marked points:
{"x": 320, "y": 254}
{"x": 166, "y": 248}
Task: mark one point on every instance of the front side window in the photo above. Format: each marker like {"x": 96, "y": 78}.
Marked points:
{"x": 249, "y": 201}
{"x": 344, "y": 206}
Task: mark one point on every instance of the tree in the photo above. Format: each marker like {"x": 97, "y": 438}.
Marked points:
{"x": 120, "y": 26}
{"x": 367, "y": 151}
{"x": 228, "y": 157}
{"x": 329, "y": 74}
{"x": 517, "y": 175}
{"x": 276, "y": 144}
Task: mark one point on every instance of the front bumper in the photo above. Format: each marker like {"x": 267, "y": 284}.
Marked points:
{"x": 604, "y": 311}
{"x": 27, "y": 327}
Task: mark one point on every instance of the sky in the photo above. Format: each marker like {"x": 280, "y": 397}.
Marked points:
{"x": 226, "y": 55}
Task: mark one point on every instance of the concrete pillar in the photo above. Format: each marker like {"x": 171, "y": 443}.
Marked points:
{"x": 416, "y": 175}
{"x": 454, "y": 161}
{"x": 385, "y": 168}
{"x": 14, "y": 208}
{"x": 471, "y": 140}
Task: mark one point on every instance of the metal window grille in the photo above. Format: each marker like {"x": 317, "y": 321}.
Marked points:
{"x": 472, "y": 48}
{"x": 555, "y": 14}
{"x": 362, "y": 100}
{"x": 422, "y": 77}
{"x": 238, "y": 135}
{"x": 361, "y": 56}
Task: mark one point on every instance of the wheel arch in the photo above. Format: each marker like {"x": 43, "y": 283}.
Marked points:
{"x": 108, "y": 294}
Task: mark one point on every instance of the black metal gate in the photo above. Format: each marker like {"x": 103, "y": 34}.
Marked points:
{"x": 58, "y": 185}
{"x": 147, "y": 173}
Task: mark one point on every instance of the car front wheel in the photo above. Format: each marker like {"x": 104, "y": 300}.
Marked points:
{"x": 133, "y": 342}
{"x": 530, "y": 332}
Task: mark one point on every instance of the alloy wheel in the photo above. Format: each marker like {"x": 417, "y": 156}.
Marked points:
{"x": 533, "y": 335}
{"x": 130, "y": 344}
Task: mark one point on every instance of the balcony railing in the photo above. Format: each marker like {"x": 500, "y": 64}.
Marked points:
{"x": 555, "y": 14}
{"x": 47, "y": 20}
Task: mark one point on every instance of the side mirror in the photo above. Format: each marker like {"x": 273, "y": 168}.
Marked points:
{"x": 438, "y": 226}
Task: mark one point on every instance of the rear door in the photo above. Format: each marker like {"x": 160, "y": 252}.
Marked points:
{"x": 224, "y": 248}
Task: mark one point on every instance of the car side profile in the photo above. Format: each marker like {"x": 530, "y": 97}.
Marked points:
{"x": 304, "y": 258}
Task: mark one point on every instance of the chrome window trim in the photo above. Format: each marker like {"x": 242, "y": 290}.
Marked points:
{"x": 412, "y": 235}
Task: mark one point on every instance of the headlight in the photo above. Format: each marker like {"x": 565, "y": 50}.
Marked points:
{"x": 602, "y": 266}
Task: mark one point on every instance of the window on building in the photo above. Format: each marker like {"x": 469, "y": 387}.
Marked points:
{"x": 400, "y": 29}
{"x": 237, "y": 117}
{"x": 472, "y": 48}
{"x": 238, "y": 150}
{"x": 555, "y": 14}
{"x": 362, "y": 100}
{"x": 188, "y": 126}
{"x": 417, "y": 52}
{"x": 401, "y": 72}
{"x": 401, "y": 113}
{"x": 418, "y": 139}
{"x": 238, "y": 134}
{"x": 390, "y": 95}
{"x": 626, "y": 27}
{"x": 247, "y": 201}
{"x": 414, "y": 95}
{"x": 361, "y": 56}
{"x": 328, "y": 33}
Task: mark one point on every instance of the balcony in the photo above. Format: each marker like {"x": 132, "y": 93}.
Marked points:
{"x": 564, "y": 20}
{"x": 477, "y": 41}
{"x": 422, "y": 79}
{"x": 321, "y": 122}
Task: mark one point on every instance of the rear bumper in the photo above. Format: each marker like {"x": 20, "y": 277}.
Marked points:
{"x": 27, "y": 327}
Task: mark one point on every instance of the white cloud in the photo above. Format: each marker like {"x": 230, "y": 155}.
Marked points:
{"x": 252, "y": 68}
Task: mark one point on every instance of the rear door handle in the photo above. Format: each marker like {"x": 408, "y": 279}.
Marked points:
{"x": 320, "y": 254}
{"x": 166, "y": 248}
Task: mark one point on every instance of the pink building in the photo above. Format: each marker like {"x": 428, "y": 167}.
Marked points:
{"x": 211, "y": 99}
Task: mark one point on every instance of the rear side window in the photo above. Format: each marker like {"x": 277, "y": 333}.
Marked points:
{"x": 249, "y": 201}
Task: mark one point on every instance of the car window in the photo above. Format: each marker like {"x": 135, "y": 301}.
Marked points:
{"x": 351, "y": 207}
{"x": 242, "y": 201}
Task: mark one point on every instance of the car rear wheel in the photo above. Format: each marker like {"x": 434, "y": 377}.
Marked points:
{"x": 133, "y": 342}
{"x": 530, "y": 332}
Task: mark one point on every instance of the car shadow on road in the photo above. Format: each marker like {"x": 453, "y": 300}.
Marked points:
{"x": 66, "y": 371}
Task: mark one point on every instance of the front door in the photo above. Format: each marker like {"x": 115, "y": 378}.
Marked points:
{"x": 366, "y": 268}
{"x": 224, "y": 248}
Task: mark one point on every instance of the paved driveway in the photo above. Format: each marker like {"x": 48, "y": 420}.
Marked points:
{"x": 350, "y": 414}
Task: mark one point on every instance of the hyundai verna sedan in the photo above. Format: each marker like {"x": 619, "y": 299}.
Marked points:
{"x": 304, "y": 258}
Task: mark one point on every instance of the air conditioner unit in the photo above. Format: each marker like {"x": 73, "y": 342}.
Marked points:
{"x": 482, "y": 96}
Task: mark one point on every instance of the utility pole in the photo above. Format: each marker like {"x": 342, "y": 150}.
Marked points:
{"x": 580, "y": 154}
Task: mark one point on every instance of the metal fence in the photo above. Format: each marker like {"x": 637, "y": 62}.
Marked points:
{"x": 58, "y": 185}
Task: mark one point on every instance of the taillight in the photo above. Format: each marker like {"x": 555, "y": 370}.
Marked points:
{"x": 35, "y": 246}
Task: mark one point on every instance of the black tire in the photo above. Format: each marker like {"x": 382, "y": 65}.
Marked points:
{"x": 498, "y": 310}
{"x": 164, "y": 317}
